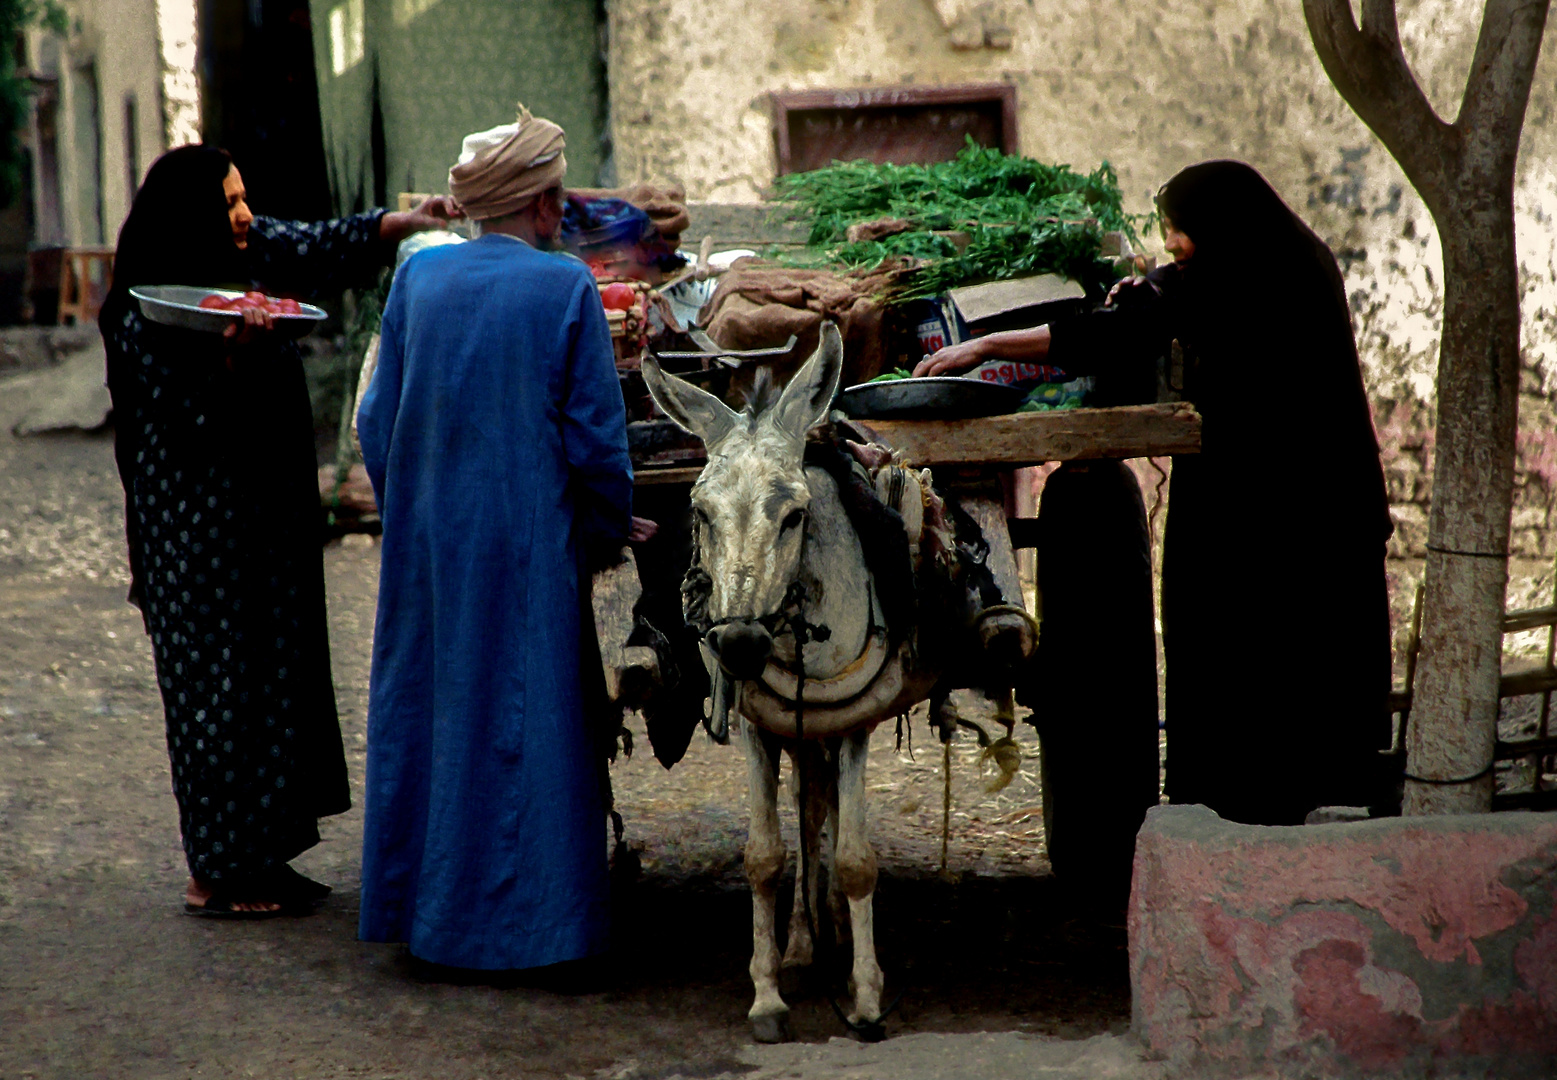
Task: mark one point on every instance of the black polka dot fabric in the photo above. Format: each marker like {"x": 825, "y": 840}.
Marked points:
{"x": 216, "y": 450}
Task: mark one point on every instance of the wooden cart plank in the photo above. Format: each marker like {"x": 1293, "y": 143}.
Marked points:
{"x": 1020, "y": 439}
{"x": 1531, "y": 681}
{"x": 683, "y": 475}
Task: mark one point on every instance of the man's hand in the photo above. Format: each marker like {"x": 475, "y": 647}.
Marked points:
{"x": 433, "y": 213}
{"x": 640, "y": 530}
{"x": 256, "y": 320}
{"x": 442, "y": 207}
{"x": 952, "y": 359}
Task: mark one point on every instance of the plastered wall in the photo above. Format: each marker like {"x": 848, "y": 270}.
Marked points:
{"x": 112, "y": 55}
{"x": 1152, "y": 88}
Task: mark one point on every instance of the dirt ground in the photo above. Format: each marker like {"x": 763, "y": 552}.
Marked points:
{"x": 101, "y": 975}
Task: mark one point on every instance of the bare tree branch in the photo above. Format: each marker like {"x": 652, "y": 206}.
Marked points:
{"x": 1369, "y": 69}
{"x": 1497, "y": 92}
{"x": 1378, "y": 22}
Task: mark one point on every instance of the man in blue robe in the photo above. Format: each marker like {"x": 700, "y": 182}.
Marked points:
{"x": 495, "y": 436}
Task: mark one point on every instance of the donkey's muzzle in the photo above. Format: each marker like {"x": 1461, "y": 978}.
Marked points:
{"x": 743, "y": 648}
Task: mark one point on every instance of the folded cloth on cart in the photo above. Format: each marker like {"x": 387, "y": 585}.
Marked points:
{"x": 1016, "y": 373}
{"x": 666, "y": 206}
{"x": 608, "y": 231}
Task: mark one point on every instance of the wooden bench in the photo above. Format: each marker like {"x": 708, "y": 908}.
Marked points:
{"x": 85, "y": 276}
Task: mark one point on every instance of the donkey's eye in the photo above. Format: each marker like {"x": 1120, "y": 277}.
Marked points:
{"x": 792, "y": 520}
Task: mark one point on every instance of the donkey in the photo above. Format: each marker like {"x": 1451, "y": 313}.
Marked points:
{"x": 796, "y": 621}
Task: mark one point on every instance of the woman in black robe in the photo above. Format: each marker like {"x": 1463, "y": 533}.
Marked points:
{"x": 214, "y": 439}
{"x": 1275, "y": 606}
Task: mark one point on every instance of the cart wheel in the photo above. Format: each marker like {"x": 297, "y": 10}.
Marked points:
{"x": 1093, "y": 689}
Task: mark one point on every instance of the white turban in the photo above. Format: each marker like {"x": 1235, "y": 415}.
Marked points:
{"x": 502, "y": 170}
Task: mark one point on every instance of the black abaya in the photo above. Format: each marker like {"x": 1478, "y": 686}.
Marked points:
{"x": 215, "y": 447}
{"x": 1274, "y": 602}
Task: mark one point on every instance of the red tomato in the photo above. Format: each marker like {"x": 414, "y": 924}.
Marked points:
{"x": 619, "y": 296}
{"x": 286, "y": 306}
{"x": 244, "y": 303}
{"x": 216, "y": 303}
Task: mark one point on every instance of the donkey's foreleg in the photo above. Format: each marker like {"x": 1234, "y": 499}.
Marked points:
{"x": 810, "y": 759}
{"x": 856, "y": 869}
{"x": 837, "y": 902}
{"x": 764, "y": 865}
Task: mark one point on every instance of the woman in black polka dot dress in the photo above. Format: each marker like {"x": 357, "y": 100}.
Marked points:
{"x": 214, "y": 439}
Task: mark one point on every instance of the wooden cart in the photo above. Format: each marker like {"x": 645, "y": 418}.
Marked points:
{"x": 967, "y": 457}
{"x": 1005, "y": 442}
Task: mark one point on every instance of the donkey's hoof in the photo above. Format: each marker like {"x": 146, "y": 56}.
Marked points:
{"x": 772, "y": 1028}
{"x": 868, "y": 1031}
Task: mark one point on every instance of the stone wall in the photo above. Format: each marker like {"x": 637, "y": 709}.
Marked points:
{"x": 1151, "y": 88}
{"x": 1394, "y": 947}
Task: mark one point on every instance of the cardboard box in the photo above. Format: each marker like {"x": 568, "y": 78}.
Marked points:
{"x": 1016, "y": 303}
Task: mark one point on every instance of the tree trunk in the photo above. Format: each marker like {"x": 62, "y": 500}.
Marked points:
{"x": 1465, "y": 174}
{"x": 1455, "y": 709}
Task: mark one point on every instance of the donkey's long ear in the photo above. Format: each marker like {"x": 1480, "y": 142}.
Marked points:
{"x": 809, "y": 395}
{"x": 693, "y": 408}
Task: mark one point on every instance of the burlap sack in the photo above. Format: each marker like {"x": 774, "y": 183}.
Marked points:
{"x": 758, "y": 305}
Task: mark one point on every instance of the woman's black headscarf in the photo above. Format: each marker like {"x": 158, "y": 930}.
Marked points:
{"x": 1245, "y": 236}
{"x": 178, "y": 232}
{"x": 1267, "y": 311}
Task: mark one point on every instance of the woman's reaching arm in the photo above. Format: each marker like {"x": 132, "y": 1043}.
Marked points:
{"x": 433, "y": 213}
{"x": 1028, "y": 346}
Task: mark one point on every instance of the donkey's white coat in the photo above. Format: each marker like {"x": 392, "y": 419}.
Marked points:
{"x": 764, "y": 520}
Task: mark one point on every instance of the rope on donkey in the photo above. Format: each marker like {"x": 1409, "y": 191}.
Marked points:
{"x": 945, "y": 804}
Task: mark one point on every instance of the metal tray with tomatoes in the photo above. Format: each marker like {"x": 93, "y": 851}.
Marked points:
{"x": 214, "y": 310}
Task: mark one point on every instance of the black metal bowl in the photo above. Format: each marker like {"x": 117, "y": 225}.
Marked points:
{"x": 935, "y": 397}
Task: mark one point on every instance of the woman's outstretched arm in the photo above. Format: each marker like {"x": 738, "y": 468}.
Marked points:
{"x": 1134, "y": 317}
{"x": 1028, "y": 346}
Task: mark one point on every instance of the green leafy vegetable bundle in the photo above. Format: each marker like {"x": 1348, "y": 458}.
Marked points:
{"x": 1020, "y": 216}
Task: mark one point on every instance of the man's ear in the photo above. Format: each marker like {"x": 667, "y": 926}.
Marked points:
{"x": 555, "y": 202}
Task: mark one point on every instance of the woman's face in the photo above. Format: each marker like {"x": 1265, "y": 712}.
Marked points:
{"x": 1179, "y": 245}
{"x": 238, "y": 214}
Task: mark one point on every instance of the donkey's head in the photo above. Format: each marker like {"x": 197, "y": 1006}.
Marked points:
{"x": 750, "y": 503}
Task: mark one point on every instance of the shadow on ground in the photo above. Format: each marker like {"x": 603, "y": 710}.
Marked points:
{"x": 100, "y": 979}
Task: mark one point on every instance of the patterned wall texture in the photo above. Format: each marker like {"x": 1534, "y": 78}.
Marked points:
{"x": 436, "y": 70}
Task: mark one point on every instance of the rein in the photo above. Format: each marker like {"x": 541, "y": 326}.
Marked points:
{"x": 775, "y": 623}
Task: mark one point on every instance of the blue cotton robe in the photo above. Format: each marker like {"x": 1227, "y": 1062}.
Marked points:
{"x": 495, "y": 434}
